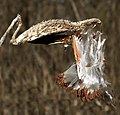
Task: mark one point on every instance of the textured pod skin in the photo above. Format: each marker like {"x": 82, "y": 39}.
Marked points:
{"x": 56, "y": 30}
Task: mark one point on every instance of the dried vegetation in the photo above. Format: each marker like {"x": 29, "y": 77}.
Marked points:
{"x": 28, "y": 72}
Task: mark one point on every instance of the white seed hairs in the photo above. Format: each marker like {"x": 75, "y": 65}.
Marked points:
{"x": 86, "y": 75}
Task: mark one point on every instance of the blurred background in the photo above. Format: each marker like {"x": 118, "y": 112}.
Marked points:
{"x": 28, "y": 72}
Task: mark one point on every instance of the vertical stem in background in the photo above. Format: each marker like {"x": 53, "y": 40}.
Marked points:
{"x": 77, "y": 15}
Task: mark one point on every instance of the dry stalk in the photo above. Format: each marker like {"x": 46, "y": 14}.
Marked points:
{"x": 17, "y": 19}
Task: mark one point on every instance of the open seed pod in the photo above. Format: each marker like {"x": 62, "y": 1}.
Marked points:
{"x": 48, "y": 32}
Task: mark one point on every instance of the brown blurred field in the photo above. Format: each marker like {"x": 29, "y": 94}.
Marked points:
{"x": 28, "y": 72}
